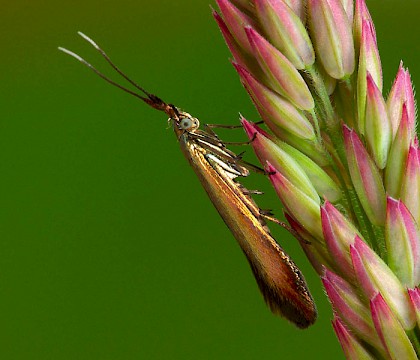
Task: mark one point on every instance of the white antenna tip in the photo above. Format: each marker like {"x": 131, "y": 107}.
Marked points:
{"x": 88, "y": 39}
{"x": 71, "y": 53}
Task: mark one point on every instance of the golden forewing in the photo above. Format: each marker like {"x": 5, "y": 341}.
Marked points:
{"x": 279, "y": 279}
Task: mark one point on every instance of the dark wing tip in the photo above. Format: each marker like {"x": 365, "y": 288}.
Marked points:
{"x": 297, "y": 306}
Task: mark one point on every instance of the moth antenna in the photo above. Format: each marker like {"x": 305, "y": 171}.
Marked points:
{"x": 90, "y": 66}
{"x": 115, "y": 67}
{"x": 150, "y": 99}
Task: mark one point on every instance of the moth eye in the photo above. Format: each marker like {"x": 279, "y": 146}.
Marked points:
{"x": 185, "y": 124}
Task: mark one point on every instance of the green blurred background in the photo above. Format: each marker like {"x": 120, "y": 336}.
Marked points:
{"x": 109, "y": 248}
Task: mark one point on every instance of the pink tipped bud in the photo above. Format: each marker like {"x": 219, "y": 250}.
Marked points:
{"x": 351, "y": 347}
{"x": 415, "y": 300}
{"x": 286, "y": 31}
{"x": 276, "y": 108}
{"x": 347, "y": 305}
{"x": 236, "y": 21}
{"x": 283, "y": 76}
{"x": 240, "y": 56}
{"x": 332, "y": 34}
{"x": 397, "y": 158}
{"x": 410, "y": 190}
{"x": 402, "y": 93}
{"x": 252, "y": 128}
{"x": 377, "y": 126}
{"x": 369, "y": 62}
{"x": 375, "y": 276}
{"x": 267, "y": 150}
{"x": 304, "y": 210}
{"x": 390, "y": 331}
{"x": 403, "y": 243}
{"x": 361, "y": 14}
{"x": 365, "y": 177}
{"x": 339, "y": 234}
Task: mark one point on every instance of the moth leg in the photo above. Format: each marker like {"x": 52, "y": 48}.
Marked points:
{"x": 222, "y": 126}
{"x": 268, "y": 216}
{"x": 240, "y": 143}
{"x": 209, "y": 129}
{"x": 252, "y": 192}
{"x": 250, "y": 166}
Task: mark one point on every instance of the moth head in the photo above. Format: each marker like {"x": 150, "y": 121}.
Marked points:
{"x": 186, "y": 122}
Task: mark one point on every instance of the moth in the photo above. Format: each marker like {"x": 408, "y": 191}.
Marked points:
{"x": 218, "y": 168}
